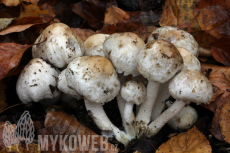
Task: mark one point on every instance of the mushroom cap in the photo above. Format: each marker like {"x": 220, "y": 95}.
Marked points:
{"x": 191, "y": 86}
{"x": 122, "y": 49}
{"x": 185, "y": 119}
{"x": 159, "y": 61}
{"x": 190, "y": 61}
{"x": 94, "y": 45}
{"x": 94, "y": 78}
{"x": 133, "y": 91}
{"x": 59, "y": 45}
{"x": 64, "y": 87}
{"x": 37, "y": 81}
{"x": 178, "y": 37}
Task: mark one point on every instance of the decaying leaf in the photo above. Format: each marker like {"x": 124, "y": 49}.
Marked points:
{"x": 63, "y": 124}
{"x": 179, "y": 13}
{"x": 192, "y": 141}
{"x": 32, "y": 148}
{"x": 224, "y": 119}
{"x": 4, "y": 22}
{"x": 211, "y": 14}
{"x": 221, "y": 50}
{"x": 21, "y": 24}
{"x": 10, "y": 56}
{"x": 91, "y": 12}
{"x": 135, "y": 27}
{"x": 83, "y": 33}
{"x": 114, "y": 15}
{"x": 17, "y": 2}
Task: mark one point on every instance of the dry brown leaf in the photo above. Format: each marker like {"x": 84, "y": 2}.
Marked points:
{"x": 10, "y": 56}
{"x": 83, "y": 33}
{"x": 17, "y": 2}
{"x": 205, "y": 68}
{"x": 192, "y": 141}
{"x": 32, "y": 148}
{"x": 21, "y": 24}
{"x": 179, "y": 13}
{"x": 224, "y": 119}
{"x": 63, "y": 124}
{"x": 114, "y": 15}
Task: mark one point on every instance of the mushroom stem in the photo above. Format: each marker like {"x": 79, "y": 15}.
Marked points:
{"x": 145, "y": 110}
{"x": 129, "y": 119}
{"x": 129, "y": 129}
{"x": 161, "y": 120}
{"x": 102, "y": 121}
{"x": 160, "y": 101}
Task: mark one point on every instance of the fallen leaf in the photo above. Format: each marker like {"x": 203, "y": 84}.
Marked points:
{"x": 32, "y": 148}
{"x": 63, "y": 124}
{"x": 224, "y": 119}
{"x": 21, "y": 24}
{"x": 212, "y": 14}
{"x": 221, "y": 50}
{"x": 191, "y": 141}
{"x": 135, "y": 27}
{"x": 3, "y": 103}
{"x": 114, "y": 15}
{"x": 179, "y": 13}
{"x": 207, "y": 69}
{"x": 4, "y": 22}
{"x": 17, "y": 2}
{"x": 91, "y": 12}
{"x": 10, "y": 56}
{"x": 83, "y": 33}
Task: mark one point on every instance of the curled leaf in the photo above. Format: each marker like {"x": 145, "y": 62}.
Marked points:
{"x": 191, "y": 141}
{"x": 114, "y": 15}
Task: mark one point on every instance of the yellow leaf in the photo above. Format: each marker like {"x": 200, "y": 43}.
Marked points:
{"x": 32, "y": 148}
{"x": 3, "y": 104}
{"x": 192, "y": 141}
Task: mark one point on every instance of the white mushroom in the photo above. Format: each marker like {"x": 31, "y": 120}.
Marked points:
{"x": 95, "y": 79}
{"x": 37, "y": 82}
{"x": 184, "y": 120}
{"x": 178, "y": 37}
{"x": 94, "y": 45}
{"x": 58, "y": 45}
{"x": 158, "y": 61}
{"x": 133, "y": 92}
{"x": 190, "y": 62}
{"x": 187, "y": 86}
{"x": 122, "y": 49}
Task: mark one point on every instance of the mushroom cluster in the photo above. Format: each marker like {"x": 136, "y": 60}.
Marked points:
{"x": 119, "y": 65}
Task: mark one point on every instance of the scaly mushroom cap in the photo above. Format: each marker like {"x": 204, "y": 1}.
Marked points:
{"x": 178, "y": 37}
{"x": 133, "y": 91}
{"x": 64, "y": 87}
{"x": 94, "y": 78}
{"x": 59, "y": 45}
{"x": 190, "y": 61}
{"x": 94, "y": 45}
{"x": 37, "y": 81}
{"x": 191, "y": 86}
{"x": 159, "y": 61}
{"x": 122, "y": 49}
